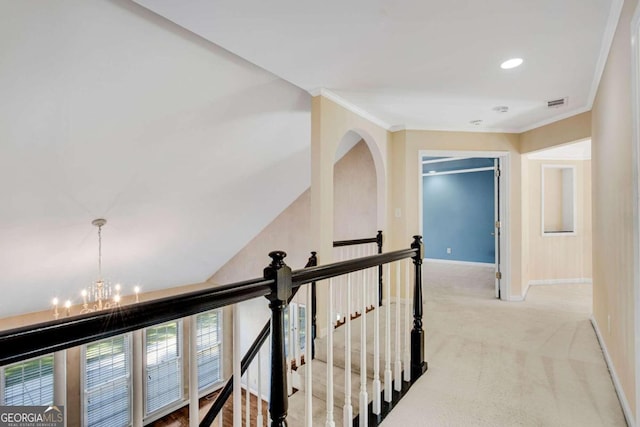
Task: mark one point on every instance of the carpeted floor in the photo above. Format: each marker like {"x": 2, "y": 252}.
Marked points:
{"x": 495, "y": 363}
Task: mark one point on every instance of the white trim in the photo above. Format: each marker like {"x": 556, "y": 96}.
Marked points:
{"x": 635, "y": 109}
{"x": 505, "y": 207}
{"x": 530, "y": 283}
{"x": 626, "y": 409}
{"x": 605, "y": 47}
{"x": 445, "y": 159}
{"x": 580, "y": 280}
{"x": 484, "y": 169}
{"x": 453, "y": 261}
{"x": 574, "y": 183}
{"x": 350, "y": 106}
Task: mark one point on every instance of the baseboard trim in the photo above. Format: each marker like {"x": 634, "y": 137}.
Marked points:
{"x": 626, "y": 409}
{"x": 453, "y": 261}
{"x": 581, "y": 280}
{"x": 523, "y": 297}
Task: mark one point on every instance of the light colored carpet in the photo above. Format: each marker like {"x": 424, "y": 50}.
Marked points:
{"x": 495, "y": 363}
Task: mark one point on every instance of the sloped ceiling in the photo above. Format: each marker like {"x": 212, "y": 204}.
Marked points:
{"x": 111, "y": 111}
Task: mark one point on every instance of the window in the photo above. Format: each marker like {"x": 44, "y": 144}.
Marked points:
{"x": 558, "y": 199}
{"x": 300, "y": 331}
{"x": 163, "y": 366}
{"x": 208, "y": 342}
{"x": 29, "y": 382}
{"x": 107, "y": 382}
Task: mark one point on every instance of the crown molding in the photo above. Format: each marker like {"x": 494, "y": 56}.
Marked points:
{"x": 350, "y": 106}
{"x": 605, "y": 47}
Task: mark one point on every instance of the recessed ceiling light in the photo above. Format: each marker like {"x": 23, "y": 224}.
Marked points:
{"x": 511, "y": 63}
{"x": 501, "y": 109}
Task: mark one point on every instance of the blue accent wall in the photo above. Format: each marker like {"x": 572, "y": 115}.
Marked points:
{"x": 458, "y": 213}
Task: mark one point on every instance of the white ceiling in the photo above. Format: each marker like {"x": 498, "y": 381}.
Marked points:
{"x": 421, "y": 64}
{"x": 187, "y": 150}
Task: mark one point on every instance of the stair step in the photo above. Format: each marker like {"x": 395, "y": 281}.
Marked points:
{"x": 339, "y": 343}
{"x": 319, "y": 382}
{"x": 295, "y": 415}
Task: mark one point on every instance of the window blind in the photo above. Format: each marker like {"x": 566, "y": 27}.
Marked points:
{"x": 107, "y": 382}
{"x": 29, "y": 382}
{"x": 208, "y": 342}
{"x": 163, "y": 366}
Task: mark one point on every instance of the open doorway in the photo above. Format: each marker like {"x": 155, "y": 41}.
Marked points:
{"x": 463, "y": 207}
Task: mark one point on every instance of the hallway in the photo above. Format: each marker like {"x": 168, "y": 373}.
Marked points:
{"x": 495, "y": 363}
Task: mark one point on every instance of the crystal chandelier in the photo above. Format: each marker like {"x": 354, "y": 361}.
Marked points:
{"x": 99, "y": 295}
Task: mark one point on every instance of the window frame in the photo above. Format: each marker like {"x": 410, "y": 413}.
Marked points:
{"x": 83, "y": 377}
{"x": 216, "y": 385}
{"x": 3, "y": 398}
{"x": 167, "y": 409}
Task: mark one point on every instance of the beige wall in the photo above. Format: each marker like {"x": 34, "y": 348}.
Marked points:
{"x": 330, "y": 122}
{"x": 613, "y": 198}
{"x": 571, "y": 129}
{"x": 405, "y": 173}
{"x": 560, "y": 256}
{"x": 355, "y": 195}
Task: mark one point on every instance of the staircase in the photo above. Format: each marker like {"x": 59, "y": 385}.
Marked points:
{"x": 319, "y": 369}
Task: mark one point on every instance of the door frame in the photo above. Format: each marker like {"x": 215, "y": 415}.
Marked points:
{"x": 635, "y": 110}
{"x": 505, "y": 200}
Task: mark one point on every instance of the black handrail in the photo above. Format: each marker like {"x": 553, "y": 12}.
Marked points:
{"x": 46, "y": 337}
{"x": 323, "y": 272}
{"x": 378, "y": 240}
{"x": 226, "y": 391}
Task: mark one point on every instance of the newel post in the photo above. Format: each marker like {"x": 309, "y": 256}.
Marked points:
{"x": 418, "y": 365}
{"x": 313, "y": 262}
{"x": 281, "y": 274}
{"x": 379, "y": 243}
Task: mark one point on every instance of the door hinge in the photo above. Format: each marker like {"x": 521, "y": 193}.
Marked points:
{"x": 498, "y": 224}
{"x": 497, "y": 172}
{"x": 498, "y": 275}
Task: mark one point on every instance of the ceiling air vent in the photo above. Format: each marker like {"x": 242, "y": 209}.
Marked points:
{"x": 557, "y": 103}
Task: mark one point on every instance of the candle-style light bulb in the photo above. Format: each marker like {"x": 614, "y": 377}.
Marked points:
{"x": 116, "y": 299}
{"x": 67, "y": 305}
{"x": 55, "y": 307}
{"x": 137, "y": 291}
{"x": 84, "y": 296}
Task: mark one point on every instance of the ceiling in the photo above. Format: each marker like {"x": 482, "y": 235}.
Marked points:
{"x": 189, "y": 151}
{"x": 427, "y": 64}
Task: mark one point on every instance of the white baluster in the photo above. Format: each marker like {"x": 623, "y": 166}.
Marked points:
{"x": 237, "y": 372}
{"x": 194, "y": 404}
{"x": 398, "y": 337}
{"x": 296, "y": 333}
{"x": 377, "y": 403}
{"x": 247, "y": 397}
{"x": 259, "y": 418}
{"x": 348, "y": 409}
{"x": 407, "y": 323}
{"x": 308, "y": 359}
{"x": 330, "y": 327}
{"x": 388, "y": 379}
{"x": 288, "y": 352}
{"x": 364, "y": 398}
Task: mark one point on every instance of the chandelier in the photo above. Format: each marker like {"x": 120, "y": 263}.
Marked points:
{"x": 100, "y": 295}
